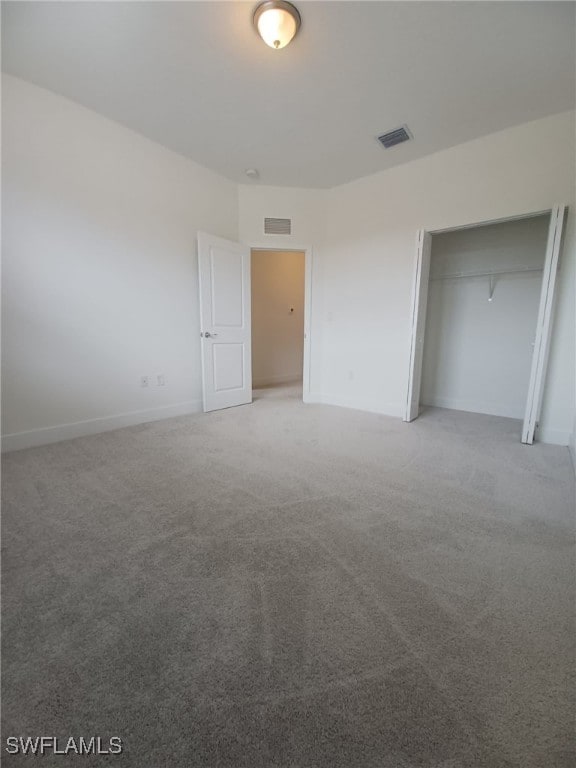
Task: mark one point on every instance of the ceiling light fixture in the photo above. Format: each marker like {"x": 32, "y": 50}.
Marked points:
{"x": 276, "y": 22}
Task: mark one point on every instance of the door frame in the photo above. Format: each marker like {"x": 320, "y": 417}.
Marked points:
{"x": 420, "y": 282}
{"x": 308, "y": 251}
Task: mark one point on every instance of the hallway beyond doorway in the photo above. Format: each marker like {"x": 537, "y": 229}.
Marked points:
{"x": 277, "y": 317}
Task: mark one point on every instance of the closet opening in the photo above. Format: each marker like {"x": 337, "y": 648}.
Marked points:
{"x": 278, "y": 320}
{"x": 482, "y": 315}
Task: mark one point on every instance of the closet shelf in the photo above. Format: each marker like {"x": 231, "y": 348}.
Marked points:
{"x": 491, "y": 273}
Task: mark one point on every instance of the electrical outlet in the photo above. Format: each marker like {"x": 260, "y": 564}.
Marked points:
{"x": 144, "y": 381}
{"x": 160, "y": 380}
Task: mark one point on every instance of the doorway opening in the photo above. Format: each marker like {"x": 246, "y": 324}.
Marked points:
{"x": 278, "y": 285}
{"x": 282, "y": 326}
{"x": 482, "y": 311}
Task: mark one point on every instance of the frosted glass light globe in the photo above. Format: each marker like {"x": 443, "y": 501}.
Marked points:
{"x": 277, "y": 22}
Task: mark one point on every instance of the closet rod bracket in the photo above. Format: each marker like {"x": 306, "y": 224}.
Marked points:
{"x": 491, "y": 286}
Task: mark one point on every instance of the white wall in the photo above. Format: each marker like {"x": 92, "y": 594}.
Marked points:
{"x": 367, "y": 254}
{"x": 478, "y": 353}
{"x": 302, "y": 206}
{"x": 277, "y": 316}
{"x": 99, "y": 270}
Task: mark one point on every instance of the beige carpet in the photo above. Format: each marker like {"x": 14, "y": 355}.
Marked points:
{"x": 291, "y": 585}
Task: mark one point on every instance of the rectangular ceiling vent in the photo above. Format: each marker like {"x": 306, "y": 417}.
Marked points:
{"x": 277, "y": 226}
{"x": 397, "y": 136}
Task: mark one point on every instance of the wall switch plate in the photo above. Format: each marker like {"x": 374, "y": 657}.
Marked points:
{"x": 160, "y": 380}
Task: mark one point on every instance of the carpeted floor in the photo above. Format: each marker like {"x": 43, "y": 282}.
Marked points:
{"x": 281, "y": 585}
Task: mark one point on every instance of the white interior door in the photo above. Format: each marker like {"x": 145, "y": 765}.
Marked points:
{"x": 418, "y": 322}
{"x": 543, "y": 326}
{"x": 225, "y": 323}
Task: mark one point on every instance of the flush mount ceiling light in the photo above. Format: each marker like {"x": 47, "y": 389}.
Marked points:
{"x": 276, "y": 22}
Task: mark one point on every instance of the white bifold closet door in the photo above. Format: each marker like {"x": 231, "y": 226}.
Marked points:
{"x": 225, "y": 322}
{"x": 543, "y": 326}
{"x": 418, "y": 322}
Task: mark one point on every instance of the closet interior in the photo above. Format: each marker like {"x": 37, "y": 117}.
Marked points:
{"x": 482, "y": 309}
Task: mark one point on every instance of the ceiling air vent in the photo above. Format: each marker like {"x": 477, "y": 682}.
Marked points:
{"x": 397, "y": 136}
{"x": 277, "y": 226}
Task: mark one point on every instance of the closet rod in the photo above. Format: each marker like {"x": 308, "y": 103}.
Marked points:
{"x": 452, "y": 275}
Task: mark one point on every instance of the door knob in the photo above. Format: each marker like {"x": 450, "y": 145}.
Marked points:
{"x": 208, "y": 335}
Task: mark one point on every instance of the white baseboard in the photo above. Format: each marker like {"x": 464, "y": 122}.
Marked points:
{"x": 56, "y": 434}
{"x": 490, "y": 409}
{"x": 543, "y": 435}
{"x": 552, "y": 436}
{"x": 272, "y": 380}
{"x": 36, "y": 437}
{"x": 370, "y": 406}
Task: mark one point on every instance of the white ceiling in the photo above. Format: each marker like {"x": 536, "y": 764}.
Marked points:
{"x": 195, "y": 77}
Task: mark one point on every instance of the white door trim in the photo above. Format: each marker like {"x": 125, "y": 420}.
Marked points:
{"x": 308, "y": 271}
{"x": 489, "y": 222}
